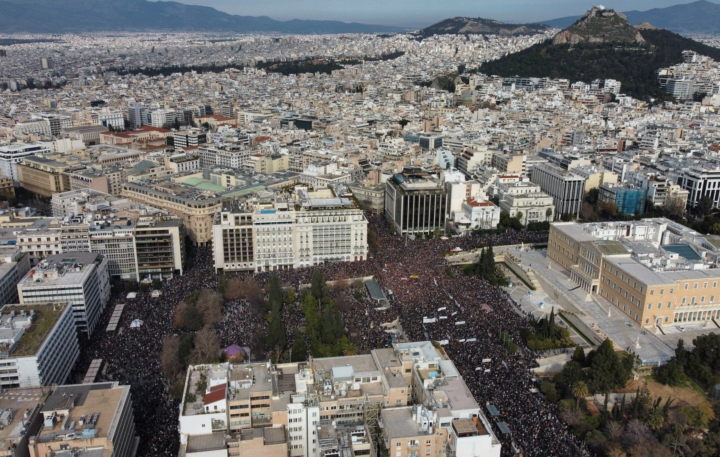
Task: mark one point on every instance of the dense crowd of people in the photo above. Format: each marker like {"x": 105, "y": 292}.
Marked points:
{"x": 132, "y": 355}
{"x": 468, "y": 313}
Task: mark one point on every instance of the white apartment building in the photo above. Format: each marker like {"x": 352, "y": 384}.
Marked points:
{"x": 181, "y": 163}
{"x": 29, "y": 360}
{"x": 13, "y": 154}
{"x": 566, "y": 188}
{"x": 40, "y": 240}
{"x": 699, "y": 182}
{"x": 78, "y": 278}
{"x": 161, "y": 117}
{"x": 231, "y": 157}
{"x": 272, "y": 236}
{"x": 110, "y": 118}
{"x": 39, "y": 127}
{"x": 529, "y": 207}
{"x": 117, "y": 244}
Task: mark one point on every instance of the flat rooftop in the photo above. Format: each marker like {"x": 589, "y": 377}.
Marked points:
{"x": 359, "y": 363}
{"x": 66, "y": 269}
{"x": 18, "y": 401}
{"x": 399, "y": 424}
{"x": 205, "y": 443}
{"x": 43, "y": 321}
{"x": 103, "y": 399}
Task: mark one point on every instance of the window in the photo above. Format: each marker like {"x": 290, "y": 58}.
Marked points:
{"x": 687, "y": 286}
{"x": 652, "y": 291}
{"x": 649, "y": 305}
{"x": 683, "y": 300}
{"x": 662, "y": 291}
{"x": 695, "y": 286}
{"x": 704, "y": 285}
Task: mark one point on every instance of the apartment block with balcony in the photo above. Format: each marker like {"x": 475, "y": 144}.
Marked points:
{"x": 409, "y": 394}
{"x": 277, "y": 234}
{"x": 160, "y": 248}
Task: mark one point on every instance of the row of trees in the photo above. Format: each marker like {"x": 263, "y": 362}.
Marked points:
{"x": 324, "y": 326}
{"x": 485, "y": 265}
{"x": 546, "y": 334}
{"x": 701, "y": 364}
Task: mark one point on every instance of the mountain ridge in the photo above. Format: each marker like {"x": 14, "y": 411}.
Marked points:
{"x": 461, "y": 25}
{"x": 695, "y": 17}
{"x": 69, "y": 16}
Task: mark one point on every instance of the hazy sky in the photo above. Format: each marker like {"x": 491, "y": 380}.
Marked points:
{"x": 416, "y": 13}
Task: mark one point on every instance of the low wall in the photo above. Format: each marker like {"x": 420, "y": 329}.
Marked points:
{"x": 517, "y": 269}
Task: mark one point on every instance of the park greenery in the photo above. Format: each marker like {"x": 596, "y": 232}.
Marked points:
{"x": 638, "y": 424}
{"x": 324, "y": 327}
{"x": 546, "y": 334}
{"x": 701, "y": 364}
{"x": 485, "y": 268}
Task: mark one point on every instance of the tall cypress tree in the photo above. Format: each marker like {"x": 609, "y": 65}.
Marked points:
{"x": 480, "y": 265}
{"x": 317, "y": 287}
{"x": 276, "y": 332}
{"x": 490, "y": 263}
{"x": 299, "y": 347}
{"x": 275, "y": 297}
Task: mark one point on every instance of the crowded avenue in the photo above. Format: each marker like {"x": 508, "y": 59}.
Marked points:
{"x": 468, "y": 312}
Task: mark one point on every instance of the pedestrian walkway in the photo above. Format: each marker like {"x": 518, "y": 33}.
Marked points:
{"x": 594, "y": 311}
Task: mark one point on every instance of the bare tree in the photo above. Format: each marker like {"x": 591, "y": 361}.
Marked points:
{"x": 207, "y": 347}
{"x": 572, "y": 416}
{"x": 614, "y": 430}
{"x": 675, "y": 205}
{"x": 341, "y": 284}
{"x": 343, "y": 303}
{"x": 247, "y": 288}
{"x": 210, "y": 305}
{"x": 170, "y": 356}
{"x": 179, "y": 316}
{"x": 637, "y": 431}
{"x": 615, "y": 450}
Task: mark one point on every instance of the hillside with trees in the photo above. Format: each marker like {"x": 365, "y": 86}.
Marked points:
{"x": 634, "y": 64}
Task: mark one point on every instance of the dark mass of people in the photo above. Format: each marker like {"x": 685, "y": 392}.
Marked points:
{"x": 417, "y": 274}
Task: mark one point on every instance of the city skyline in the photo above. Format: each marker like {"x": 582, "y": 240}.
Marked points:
{"x": 418, "y": 14}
